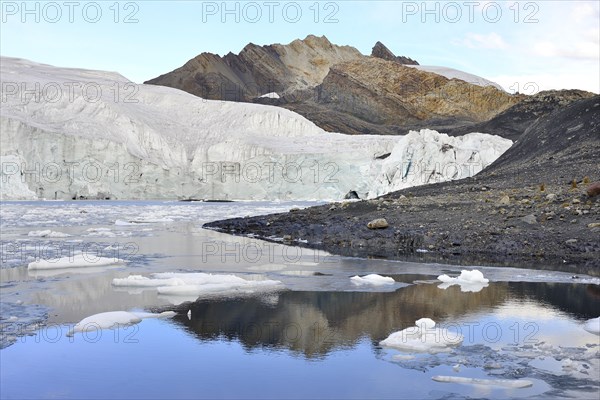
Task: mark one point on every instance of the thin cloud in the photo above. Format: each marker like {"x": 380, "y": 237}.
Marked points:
{"x": 481, "y": 41}
{"x": 580, "y": 42}
{"x": 583, "y": 50}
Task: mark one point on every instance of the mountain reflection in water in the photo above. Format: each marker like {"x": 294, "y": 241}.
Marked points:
{"x": 316, "y": 323}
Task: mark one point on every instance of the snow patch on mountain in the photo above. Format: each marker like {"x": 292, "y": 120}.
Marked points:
{"x": 73, "y": 133}
{"x": 452, "y": 73}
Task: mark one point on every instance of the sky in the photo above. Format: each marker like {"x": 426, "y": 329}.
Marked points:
{"x": 525, "y": 46}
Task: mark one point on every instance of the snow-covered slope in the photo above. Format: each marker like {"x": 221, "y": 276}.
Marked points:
{"x": 76, "y": 133}
{"x": 452, "y": 73}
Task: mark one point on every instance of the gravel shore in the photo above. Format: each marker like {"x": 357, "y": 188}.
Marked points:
{"x": 531, "y": 208}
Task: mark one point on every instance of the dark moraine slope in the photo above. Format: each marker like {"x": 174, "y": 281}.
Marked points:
{"x": 523, "y": 210}
{"x": 513, "y": 122}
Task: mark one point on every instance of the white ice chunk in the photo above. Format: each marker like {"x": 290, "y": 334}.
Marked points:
{"x": 115, "y": 319}
{"x": 150, "y": 220}
{"x": 372, "y": 279}
{"x": 469, "y": 281}
{"x": 592, "y": 325}
{"x": 507, "y": 383}
{"x": 120, "y": 222}
{"x": 105, "y": 320}
{"x": 77, "y": 261}
{"x": 143, "y": 281}
{"x": 268, "y": 267}
{"x": 48, "y": 233}
{"x": 145, "y": 315}
{"x": 50, "y": 273}
{"x": 193, "y": 284}
{"x": 423, "y": 337}
{"x": 425, "y": 323}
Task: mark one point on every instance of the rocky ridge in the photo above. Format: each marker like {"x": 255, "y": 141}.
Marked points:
{"x": 381, "y": 51}
{"x": 341, "y": 90}
{"x": 259, "y": 70}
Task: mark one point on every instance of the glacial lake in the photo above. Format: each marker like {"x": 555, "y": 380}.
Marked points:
{"x": 315, "y": 334}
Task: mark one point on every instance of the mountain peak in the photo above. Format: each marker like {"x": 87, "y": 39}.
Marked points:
{"x": 381, "y": 51}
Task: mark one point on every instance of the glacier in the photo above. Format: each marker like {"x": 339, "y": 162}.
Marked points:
{"x": 81, "y": 134}
{"x": 452, "y": 73}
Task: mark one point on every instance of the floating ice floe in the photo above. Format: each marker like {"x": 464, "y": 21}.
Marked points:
{"x": 113, "y": 320}
{"x": 77, "y": 261}
{"x": 120, "y": 222}
{"x": 268, "y": 267}
{"x": 506, "y": 383}
{"x": 469, "y": 281}
{"x": 48, "y": 233}
{"x": 592, "y": 326}
{"x": 146, "y": 315}
{"x": 423, "y": 337}
{"x": 51, "y": 273}
{"x": 196, "y": 283}
{"x": 372, "y": 279}
{"x": 150, "y": 220}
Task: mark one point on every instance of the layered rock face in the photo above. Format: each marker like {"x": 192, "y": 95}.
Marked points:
{"x": 341, "y": 90}
{"x": 259, "y": 70}
{"x": 387, "y": 93}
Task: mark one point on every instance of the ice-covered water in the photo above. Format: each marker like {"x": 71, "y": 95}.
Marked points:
{"x": 524, "y": 334}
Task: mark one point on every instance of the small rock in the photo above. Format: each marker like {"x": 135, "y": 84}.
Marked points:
{"x": 594, "y": 189}
{"x": 287, "y": 238}
{"x": 571, "y": 241}
{"x": 594, "y": 225}
{"x": 551, "y": 197}
{"x": 576, "y": 201}
{"x": 294, "y": 209}
{"x": 379, "y": 223}
{"x": 529, "y": 219}
{"x": 505, "y": 200}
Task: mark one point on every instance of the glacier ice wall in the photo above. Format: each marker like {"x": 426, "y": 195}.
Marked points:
{"x": 71, "y": 133}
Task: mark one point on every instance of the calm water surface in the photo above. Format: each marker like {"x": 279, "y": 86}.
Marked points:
{"x": 316, "y": 337}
